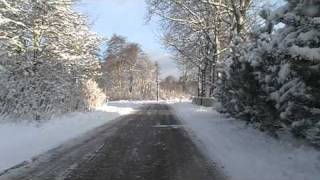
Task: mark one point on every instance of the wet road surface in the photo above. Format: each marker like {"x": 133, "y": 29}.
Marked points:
{"x": 151, "y": 144}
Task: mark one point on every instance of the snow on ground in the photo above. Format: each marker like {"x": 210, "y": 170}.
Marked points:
{"x": 21, "y": 141}
{"x": 245, "y": 153}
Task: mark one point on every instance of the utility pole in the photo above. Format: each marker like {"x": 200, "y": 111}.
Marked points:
{"x": 157, "y": 79}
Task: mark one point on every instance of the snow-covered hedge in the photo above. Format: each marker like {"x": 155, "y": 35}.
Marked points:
{"x": 92, "y": 94}
{"x": 47, "y": 58}
{"x": 274, "y": 81}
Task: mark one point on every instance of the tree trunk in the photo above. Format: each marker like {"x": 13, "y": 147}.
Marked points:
{"x": 199, "y": 82}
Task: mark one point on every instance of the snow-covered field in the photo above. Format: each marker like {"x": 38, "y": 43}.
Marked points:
{"x": 245, "y": 153}
{"x": 21, "y": 141}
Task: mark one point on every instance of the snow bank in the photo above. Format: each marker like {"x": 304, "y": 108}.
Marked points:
{"x": 21, "y": 141}
{"x": 245, "y": 153}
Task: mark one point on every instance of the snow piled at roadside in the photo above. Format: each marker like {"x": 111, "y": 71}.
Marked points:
{"x": 245, "y": 153}
{"x": 21, "y": 141}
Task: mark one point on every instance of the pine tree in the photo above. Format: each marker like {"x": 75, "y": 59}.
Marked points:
{"x": 274, "y": 81}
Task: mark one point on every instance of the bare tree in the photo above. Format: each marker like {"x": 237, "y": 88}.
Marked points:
{"x": 201, "y": 32}
{"x": 127, "y": 71}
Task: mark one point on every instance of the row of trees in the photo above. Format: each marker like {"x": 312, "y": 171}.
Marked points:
{"x": 199, "y": 32}
{"x": 263, "y": 69}
{"x": 172, "y": 88}
{"x": 128, "y": 73}
{"x": 48, "y": 61}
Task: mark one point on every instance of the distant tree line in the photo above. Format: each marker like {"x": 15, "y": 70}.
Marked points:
{"x": 173, "y": 88}
{"x": 127, "y": 72}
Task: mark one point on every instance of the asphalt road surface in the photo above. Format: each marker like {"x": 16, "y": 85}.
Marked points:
{"x": 148, "y": 145}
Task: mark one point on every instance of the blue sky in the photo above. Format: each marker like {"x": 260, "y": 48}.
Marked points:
{"x": 127, "y": 18}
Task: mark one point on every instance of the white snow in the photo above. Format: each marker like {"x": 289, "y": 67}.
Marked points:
{"x": 315, "y": 111}
{"x": 312, "y": 35}
{"x": 245, "y": 153}
{"x": 284, "y": 73}
{"x": 22, "y": 141}
{"x": 311, "y": 54}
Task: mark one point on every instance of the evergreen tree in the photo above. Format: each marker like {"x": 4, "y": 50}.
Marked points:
{"x": 275, "y": 80}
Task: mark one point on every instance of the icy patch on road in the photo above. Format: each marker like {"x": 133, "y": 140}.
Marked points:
{"x": 21, "y": 141}
{"x": 246, "y": 153}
